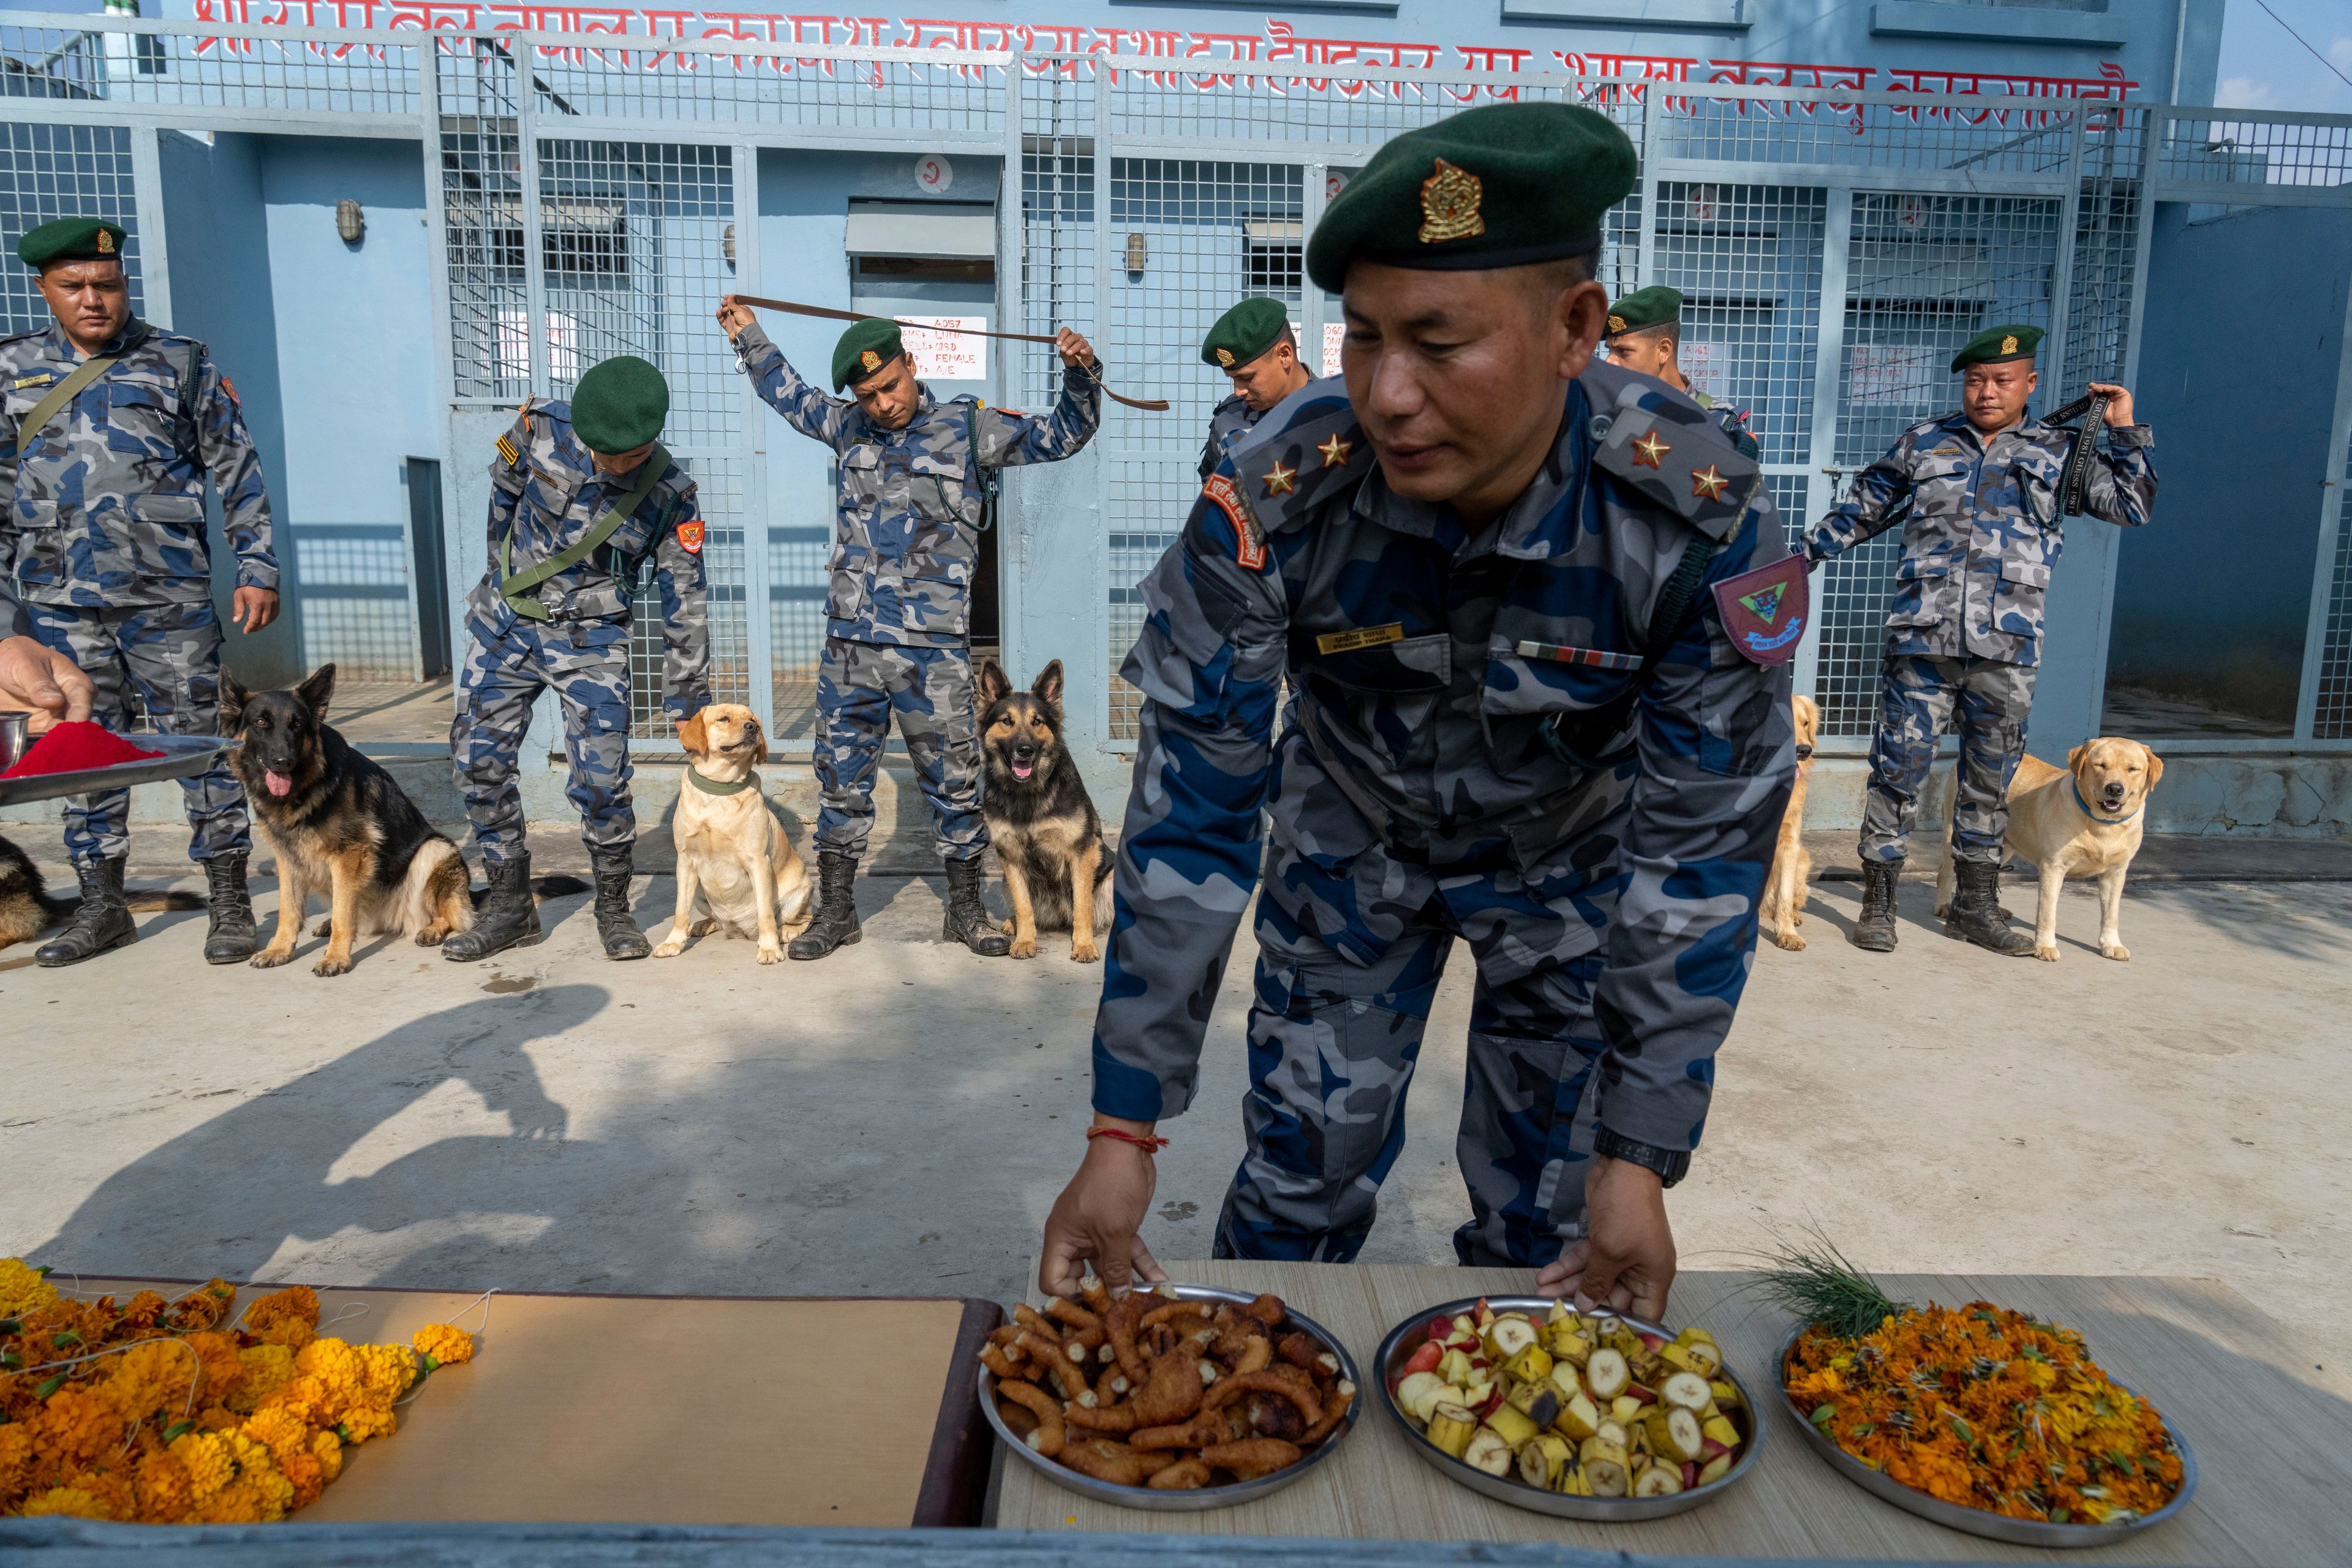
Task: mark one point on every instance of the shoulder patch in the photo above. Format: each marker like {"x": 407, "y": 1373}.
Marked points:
{"x": 230, "y": 387}
{"x": 1304, "y": 451}
{"x": 1675, "y": 456}
{"x": 507, "y": 451}
{"x": 689, "y": 536}
{"x": 1764, "y": 611}
{"x": 1251, "y": 550}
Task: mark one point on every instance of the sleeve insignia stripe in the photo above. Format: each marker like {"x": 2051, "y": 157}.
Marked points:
{"x": 1708, "y": 483}
{"x": 1599, "y": 658}
{"x": 507, "y": 451}
{"x": 1335, "y": 452}
{"x": 1648, "y": 451}
{"x": 1279, "y": 481}
{"x": 1360, "y": 637}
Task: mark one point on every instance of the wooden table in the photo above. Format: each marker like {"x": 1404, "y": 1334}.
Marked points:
{"x": 669, "y": 1409}
{"x": 2272, "y": 1431}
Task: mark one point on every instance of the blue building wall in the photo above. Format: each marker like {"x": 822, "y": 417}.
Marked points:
{"x": 2237, "y": 374}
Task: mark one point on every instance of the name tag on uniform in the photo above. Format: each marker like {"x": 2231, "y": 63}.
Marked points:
{"x": 42, "y": 379}
{"x": 1361, "y": 637}
{"x": 1599, "y": 658}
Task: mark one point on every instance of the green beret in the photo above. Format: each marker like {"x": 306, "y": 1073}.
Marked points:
{"x": 619, "y": 406}
{"x": 71, "y": 239}
{"x": 1507, "y": 185}
{"x": 1244, "y": 332}
{"x": 1996, "y": 345}
{"x": 865, "y": 348}
{"x": 1656, "y": 306}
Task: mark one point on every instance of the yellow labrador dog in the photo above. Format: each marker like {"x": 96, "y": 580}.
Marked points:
{"x": 1783, "y": 909}
{"x": 2081, "y": 820}
{"x": 736, "y": 867}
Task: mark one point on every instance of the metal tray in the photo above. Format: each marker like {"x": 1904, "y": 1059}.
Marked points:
{"x": 1206, "y": 1497}
{"x": 1407, "y": 1337}
{"x": 183, "y": 755}
{"x": 1977, "y": 1521}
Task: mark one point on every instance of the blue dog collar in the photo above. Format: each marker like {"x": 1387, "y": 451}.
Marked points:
{"x": 2095, "y": 816}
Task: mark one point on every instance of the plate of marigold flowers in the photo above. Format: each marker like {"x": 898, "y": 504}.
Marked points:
{"x": 1979, "y": 1417}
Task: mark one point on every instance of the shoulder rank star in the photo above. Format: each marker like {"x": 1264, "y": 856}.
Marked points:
{"x": 1708, "y": 483}
{"x": 1649, "y": 450}
{"x": 1278, "y": 479}
{"x": 1335, "y": 452}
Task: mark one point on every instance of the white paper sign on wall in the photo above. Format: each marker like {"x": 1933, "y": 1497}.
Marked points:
{"x": 947, "y": 356}
{"x": 1334, "y": 334}
{"x": 933, "y": 174}
{"x": 1890, "y": 375}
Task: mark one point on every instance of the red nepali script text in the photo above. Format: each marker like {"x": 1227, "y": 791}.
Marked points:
{"x": 70, "y": 748}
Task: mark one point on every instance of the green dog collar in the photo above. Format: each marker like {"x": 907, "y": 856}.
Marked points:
{"x": 710, "y": 787}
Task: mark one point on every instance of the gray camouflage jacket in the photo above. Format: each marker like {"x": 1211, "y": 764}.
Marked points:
{"x": 1983, "y": 530}
{"x": 910, "y": 500}
{"x": 107, "y": 504}
{"x": 1427, "y": 663}
{"x": 545, "y": 493}
{"x": 1228, "y": 422}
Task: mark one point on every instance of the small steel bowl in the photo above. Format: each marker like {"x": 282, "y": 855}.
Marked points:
{"x": 1205, "y": 1497}
{"x": 1407, "y": 1337}
{"x": 1977, "y": 1521}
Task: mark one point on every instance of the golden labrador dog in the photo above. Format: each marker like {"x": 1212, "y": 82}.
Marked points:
{"x": 1783, "y": 909}
{"x": 2081, "y": 820}
{"x": 737, "y": 870}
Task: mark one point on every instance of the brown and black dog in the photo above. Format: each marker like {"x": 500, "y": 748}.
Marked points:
{"x": 1047, "y": 835}
{"x": 26, "y": 910}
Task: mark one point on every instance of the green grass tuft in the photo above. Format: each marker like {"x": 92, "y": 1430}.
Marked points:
{"x": 1816, "y": 1284}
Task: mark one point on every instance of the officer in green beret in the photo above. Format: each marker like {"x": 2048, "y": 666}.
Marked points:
{"x": 1644, "y": 332}
{"x": 1978, "y": 493}
{"x": 1253, "y": 344}
{"x": 1532, "y": 615}
{"x": 112, "y": 428}
{"x": 916, "y": 475}
{"x": 582, "y": 495}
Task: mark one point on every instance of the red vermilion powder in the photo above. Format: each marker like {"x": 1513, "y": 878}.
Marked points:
{"x": 70, "y": 748}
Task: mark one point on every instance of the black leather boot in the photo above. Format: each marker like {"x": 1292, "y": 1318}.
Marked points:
{"x": 968, "y": 919}
{"x": 1873, "y": 929}
{"x": 614, "y": 923}
{"x": 103, "y": 921}
{"x": 505, "y": 918}
{"x": 1976, "y": 914}
{"x": 834, "y": 924}
{"x": 232, "y": 935}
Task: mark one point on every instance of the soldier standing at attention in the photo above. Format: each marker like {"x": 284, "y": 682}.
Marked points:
{"x": 581, "y": 494}
{"x": 110, "y": 428}
{"x": 914, "y": 482}
{"x": 1646, "y": 333}
{"x": 1964, "y": 635}
{"x": 1253, "y": 343}
{"x": 1494, "y": 571}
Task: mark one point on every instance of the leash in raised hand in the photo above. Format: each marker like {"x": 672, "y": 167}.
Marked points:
{"x": 1151, "y": 405}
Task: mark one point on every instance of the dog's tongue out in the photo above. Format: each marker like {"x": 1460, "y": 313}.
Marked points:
{"x": 278, "y": 783}
{"x": 1022, "y": 770}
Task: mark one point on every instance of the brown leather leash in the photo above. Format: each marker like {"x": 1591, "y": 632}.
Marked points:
{"x": 1151, "y": 405}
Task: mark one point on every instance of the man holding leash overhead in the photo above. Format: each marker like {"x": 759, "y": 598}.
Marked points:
{"x": 582, "y": 495}
{"x": 1253, "y": 344}
{"x": 1533, "y": 706}
{"x": 1981, "y": 490}
{"x": 916, "y": 477}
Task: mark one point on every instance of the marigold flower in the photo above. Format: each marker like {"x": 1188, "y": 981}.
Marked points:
{"x": 280, "y": 1431}
{"x": 16, "y": 1461}
{"x": 287, "y": 1317}
{"x": 207, "y": 1459}
{"x": 328, "y": 1450}
{"x": 386, "y": 1371}
{"x": 78, "y": 1424}
{"x": 166, "y": 1493}
{"x": 68, "y": 1502}
{"x": 153, "y": 1375}
{"x": 22, "y": 1289}
{"x": 445, "y": 1344}
{"x": 363, "y": 1422}
{"x": 223, "y": 1367}
{"x": 266, "y": 1368}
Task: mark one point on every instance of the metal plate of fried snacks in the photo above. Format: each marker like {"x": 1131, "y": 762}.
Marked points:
{"x": 1204, "y": 1497}
{"x": 1407, "y": 1338}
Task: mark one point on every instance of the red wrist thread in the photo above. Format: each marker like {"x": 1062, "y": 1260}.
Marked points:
{"x": 1149, "y": 1145}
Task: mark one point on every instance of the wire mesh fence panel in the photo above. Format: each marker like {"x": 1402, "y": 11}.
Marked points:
{"x": 2332, "y": 710}
{"x": 1230, "y": 102}
{"x": 195, "y": 69}
{"x": 49, "y": 171}
{"x": 930, "y": 94}
{"x": 2102, "y": 287}
{"x": 1924, "y": 274}
{"x": 1190, "y": 240}
{"x": 2238, "y": 147}
{"x": 482, "y": 237}
{"x": 1995, "y": 134}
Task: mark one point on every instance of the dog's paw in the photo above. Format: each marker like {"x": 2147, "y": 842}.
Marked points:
{"x": 1024, "y": 947}
{"x": 1787, "y": 941}
{"x": 705, "y": 927}
{"x": 1007, "y": 927}
{"x": 327, "y": 968}
{"x": 432, "y": 936}
{"x": 1943, "y": 908}
{"x": 326, "y": 927}
{"x": 669, "y": 949}
{"x": 270, "y": 959}
{"x": 2116, "y": 951}
{"x": 1083, "y": 951}
{"x": 771, "y": 952}
{"x": 2047, "y": 954}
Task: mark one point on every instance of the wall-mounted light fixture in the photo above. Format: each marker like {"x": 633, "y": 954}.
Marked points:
{"x": 726, "y": 245}
{"x": 350, "y": 221}
{"x": 1135, "y": 253}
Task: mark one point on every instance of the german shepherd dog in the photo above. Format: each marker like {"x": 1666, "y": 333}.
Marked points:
{"x": 1047, "y": 835}
{"x": 26, "y": 910}
{"x": 340, "y": 824}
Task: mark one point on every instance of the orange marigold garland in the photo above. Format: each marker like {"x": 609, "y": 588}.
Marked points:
{"x": 175, "y": 1412}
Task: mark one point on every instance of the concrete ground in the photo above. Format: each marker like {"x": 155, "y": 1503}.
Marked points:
{"x": 899, "y": 1118}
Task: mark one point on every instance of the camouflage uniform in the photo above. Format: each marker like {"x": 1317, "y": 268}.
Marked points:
{"x": 1732, "y": 421}
{"x": 1414, "y": 798}
{"x": 1228, "y": 422}
{"x": 1964, "y": 633}
{"x": 910, "y": 504}
{"x": 105, "y": 536}
{"x": 545, "y": 494}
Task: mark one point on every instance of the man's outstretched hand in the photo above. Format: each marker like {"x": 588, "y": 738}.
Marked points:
{"x": 37, "y": 678}
{"x": 1097, "y": 1216}
{"x": 733, "y": 315}
{"x": 1626, "y": 1261}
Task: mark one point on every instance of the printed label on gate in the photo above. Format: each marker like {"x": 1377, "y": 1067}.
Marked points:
{"x": 1360, "y": 637}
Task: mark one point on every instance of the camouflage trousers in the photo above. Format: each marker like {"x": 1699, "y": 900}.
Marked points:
{"x": 171, "y": 655}
{"x": 1342, "y": 995}
{"x": 586, "y": 665}
{"x": 859, "y": 686}
{"x": 1988, "y": 701}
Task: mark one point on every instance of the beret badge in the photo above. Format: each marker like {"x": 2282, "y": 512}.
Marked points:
{"x": 2008, "y": 345}
{"x": 870, "y": 359}
{"x": 1449, "y": 204}
{"x": 1616, "y": 325}
{"x": 1225, "y": 358}
{"x": 105, "y": 243}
